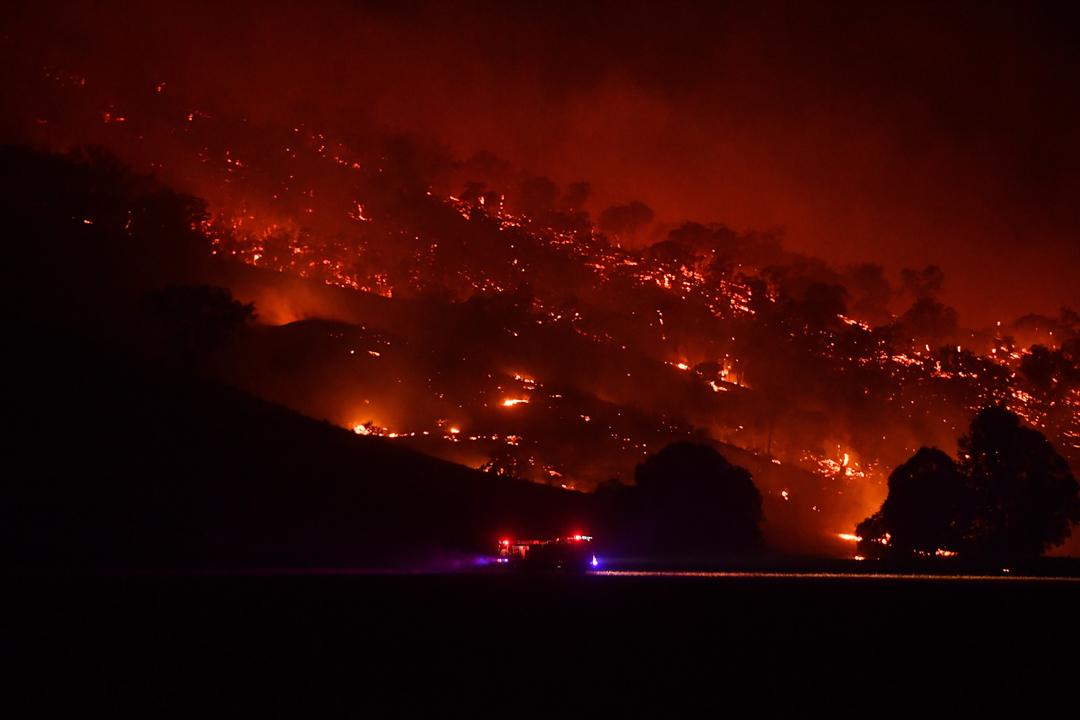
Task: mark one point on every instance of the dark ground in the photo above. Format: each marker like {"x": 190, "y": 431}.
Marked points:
{"x": 363, "y": 645}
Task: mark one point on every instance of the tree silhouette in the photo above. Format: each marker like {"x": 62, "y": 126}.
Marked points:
{"x": 1025, "y": 496}
{"x": 537, "y": 196}
{"x": 625, "y": 219}
{"x": 1011, "y": 495}
{"x": 691, "y": 500}
{"x": 871, "y": 290}
{"x": 193, "y": 321}
{"x": 927, "y": 503}
{"x": 821, "y": 304}
{"x": 517, "y": 462}
{"x": 1051, "y": 372}
{"x": 931, "y": 321}
{"x": 923, "y": 284}
{"x": 873, "y": 537}
{"x": 674, "y": 254}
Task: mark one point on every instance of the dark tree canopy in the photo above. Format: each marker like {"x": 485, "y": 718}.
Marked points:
{"x": 871, "y": 292}
{"x": 923, "y": 284}
{"x": 1025, "y": 495}
{"x": 873, "y": 537}
{"x": 930, "y": 322}
{"x": 673, "y": 253}
{"x": 693, "y": 501}
{"x": 517, "y": 462}
{"x": 821, "y": 304}
{"x": 72, "y": 219}
{"x": 195, "y": 320}
{"x": 537, "y": 195}
{"x": 619, "y": 219}
{"x": 927, "y": 502}
{"x": 1011, "y": 495}
{"x": 1051, "y": 372}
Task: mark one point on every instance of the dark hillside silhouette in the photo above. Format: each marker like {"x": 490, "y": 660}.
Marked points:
{"x": 113, "y": 462}
{"x": 85, "y": 236}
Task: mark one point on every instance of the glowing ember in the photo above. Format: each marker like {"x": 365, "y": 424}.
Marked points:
{"x": 516, "y": 401}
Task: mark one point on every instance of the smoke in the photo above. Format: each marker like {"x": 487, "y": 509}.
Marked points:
{"x": 905, "y": 135}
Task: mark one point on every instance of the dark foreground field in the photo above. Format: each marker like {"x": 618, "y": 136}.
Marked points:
{"x": 368, "y": 645}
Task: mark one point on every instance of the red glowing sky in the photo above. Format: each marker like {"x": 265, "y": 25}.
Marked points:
{"x": 905, "y": 135}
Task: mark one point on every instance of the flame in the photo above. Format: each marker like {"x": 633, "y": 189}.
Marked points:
{"x": 850, "y": 537}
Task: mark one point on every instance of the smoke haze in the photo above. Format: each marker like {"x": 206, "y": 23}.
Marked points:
{"x": 906, "y": 135}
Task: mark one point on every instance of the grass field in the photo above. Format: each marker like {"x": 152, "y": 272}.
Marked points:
{"x": 371, "y": 645}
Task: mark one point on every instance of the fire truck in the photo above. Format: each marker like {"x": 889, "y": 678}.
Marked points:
{"x": 572, "y": 554}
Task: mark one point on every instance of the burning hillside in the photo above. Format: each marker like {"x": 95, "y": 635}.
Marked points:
{"x": 479, "y": 314}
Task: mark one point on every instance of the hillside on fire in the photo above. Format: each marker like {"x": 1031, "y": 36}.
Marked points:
{"x": 497, "y": 326}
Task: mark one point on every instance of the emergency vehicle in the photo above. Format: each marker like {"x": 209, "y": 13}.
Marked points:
{"x": 573, "y": 553}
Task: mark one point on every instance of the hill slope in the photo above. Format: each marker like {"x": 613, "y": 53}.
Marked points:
{"x": 113, "y": 462}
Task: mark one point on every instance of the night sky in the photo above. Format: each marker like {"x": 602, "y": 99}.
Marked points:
{"x": 904, "y": 134}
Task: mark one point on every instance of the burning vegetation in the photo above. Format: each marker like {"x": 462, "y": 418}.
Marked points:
{"x": 476, "y": 313}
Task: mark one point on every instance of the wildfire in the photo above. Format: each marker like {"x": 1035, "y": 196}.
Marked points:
{"x": 308, "y": 231}
{"x": 367, "y": 428}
